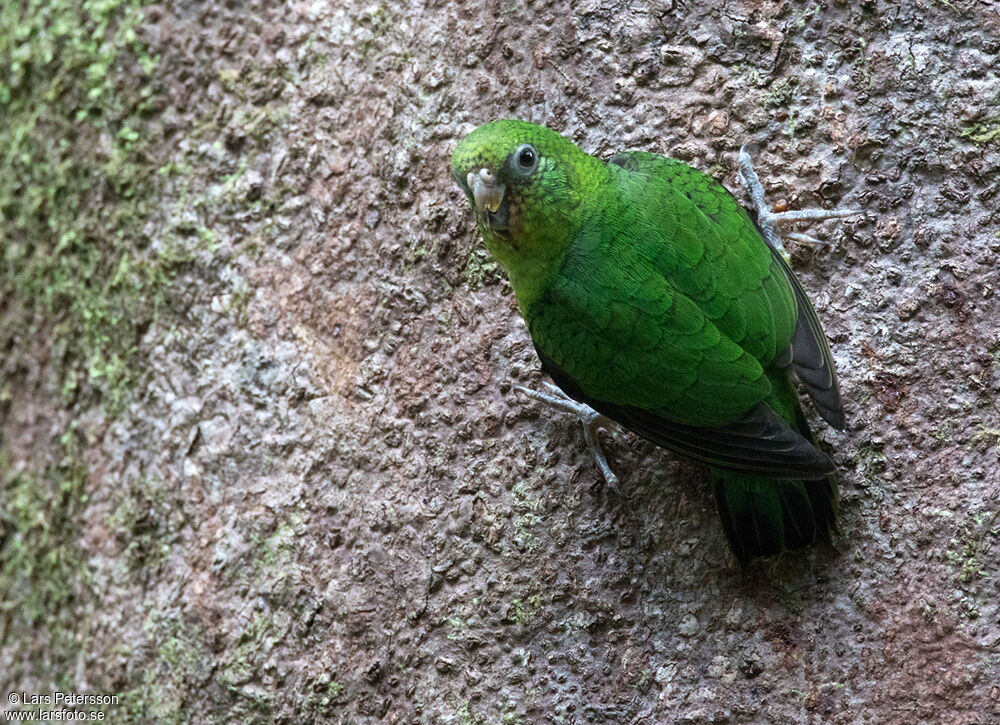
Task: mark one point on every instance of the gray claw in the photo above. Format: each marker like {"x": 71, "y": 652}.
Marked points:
{"x": 592, "y": 422}
{"x": 769, "y": 220}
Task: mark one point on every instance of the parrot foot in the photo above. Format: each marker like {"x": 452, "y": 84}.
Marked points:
{"x": 769, "y": 220}
{"x": 592, "y": 421}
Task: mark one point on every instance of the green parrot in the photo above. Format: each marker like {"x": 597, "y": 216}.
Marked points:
{"x": 655, "y": 300}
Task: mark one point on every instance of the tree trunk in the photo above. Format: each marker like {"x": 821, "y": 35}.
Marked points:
{"x": 261, "y": 456}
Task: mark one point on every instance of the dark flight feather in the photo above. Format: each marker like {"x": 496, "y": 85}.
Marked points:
{"x": 812, "y": 360}
{"x": 760, "y": 443}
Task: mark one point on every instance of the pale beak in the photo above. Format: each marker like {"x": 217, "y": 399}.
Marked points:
{"x": 487, "y": 192}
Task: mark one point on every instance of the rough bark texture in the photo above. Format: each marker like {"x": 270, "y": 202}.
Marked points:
{"x": 261, "y": 456}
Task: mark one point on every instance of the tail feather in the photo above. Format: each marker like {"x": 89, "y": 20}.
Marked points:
{"x": 763, "y": 517}
{"x": 796, "y": 513}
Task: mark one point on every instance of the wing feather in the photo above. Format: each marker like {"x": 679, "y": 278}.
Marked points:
{"x": 759, "y": 443}
{"x": 812, "y": 360}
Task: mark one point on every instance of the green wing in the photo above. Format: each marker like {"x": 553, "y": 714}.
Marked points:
{"x": 628, "y": 336}
{"x": 759, "y": 443}
{"x": 711, "y": 250}
{"x": 666, "y": 310}
{"x": 741, "y": 284}
{"x": 639, "y": 351}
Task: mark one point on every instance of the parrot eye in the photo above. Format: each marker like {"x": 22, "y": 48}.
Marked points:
{"x": 527, "y": 159}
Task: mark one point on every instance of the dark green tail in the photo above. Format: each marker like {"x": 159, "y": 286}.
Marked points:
{"x": 765, "y": 516}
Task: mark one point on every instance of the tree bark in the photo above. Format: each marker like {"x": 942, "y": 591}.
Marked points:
{"x": 261, "y": 456}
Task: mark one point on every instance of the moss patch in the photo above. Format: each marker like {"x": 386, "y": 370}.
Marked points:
{"x": 161, "y": 694}
{"x": 984, "y": 132}
{"x": 79, "y": 277}
{"x": 78, "y": 188}
{"x": 44, "y": 580}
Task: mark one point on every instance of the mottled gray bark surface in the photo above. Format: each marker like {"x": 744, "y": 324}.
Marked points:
{"x": 311, "y": 492}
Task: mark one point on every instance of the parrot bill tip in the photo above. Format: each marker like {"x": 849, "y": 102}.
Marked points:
{"x": 486, "y": 190}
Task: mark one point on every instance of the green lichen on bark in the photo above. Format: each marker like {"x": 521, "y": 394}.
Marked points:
{"x": 77, "y": 188}
{"x": 75, "y": 282}
{"x": 986, "y": 131}
{"x": 43, "y": 576}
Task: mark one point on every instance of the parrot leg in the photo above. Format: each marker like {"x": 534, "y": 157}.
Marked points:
{"x": 592, "y": 421}
{"x": 769, "y": 220}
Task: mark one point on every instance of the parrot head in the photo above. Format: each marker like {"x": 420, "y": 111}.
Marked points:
{"x": 523, "y": 182}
